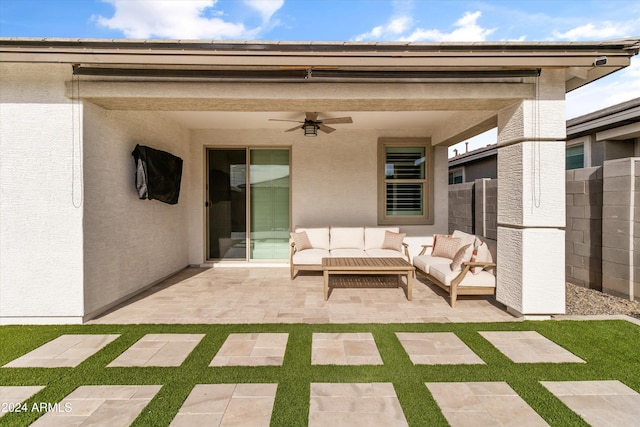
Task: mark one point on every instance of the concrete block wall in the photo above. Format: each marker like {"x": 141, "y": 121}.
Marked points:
{"x": 583, "y": 252}
{"x": 602, "y": 238}
{"x": 486, "y": 208}
{"x": 620, "y": 228}
{"x": 473, "y": 208}
{"x": 461, "y": 207}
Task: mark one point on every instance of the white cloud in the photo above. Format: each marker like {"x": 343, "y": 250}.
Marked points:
{"x": 603, "y": 31}
{"x": 393, "y": 29}
{"x": 466, "y": 29}
{"x": 182, "y": 19}
{"x": 266, "y": 8}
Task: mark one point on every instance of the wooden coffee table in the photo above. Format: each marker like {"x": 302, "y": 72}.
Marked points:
{"x": 387, "y": 266}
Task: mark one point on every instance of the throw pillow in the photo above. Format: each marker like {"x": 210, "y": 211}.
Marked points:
{"x": 463, "y": 255}
{"x": 393, "y": 241}
{"x": 446, "y": 247}
{"x": 301, "y": 240}
{"x": 481, "y": 254}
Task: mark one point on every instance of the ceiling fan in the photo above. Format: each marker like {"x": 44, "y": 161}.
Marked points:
{"x": 311, "y": 124}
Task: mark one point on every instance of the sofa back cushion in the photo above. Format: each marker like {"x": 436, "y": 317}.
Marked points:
{"x": 347, "y": 238}
{"x": 374, "y": 236}
{"x": 318, "y": 237}
{"x": 465, "y": 238}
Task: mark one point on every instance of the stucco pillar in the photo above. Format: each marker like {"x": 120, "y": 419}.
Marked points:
{"x": 531, "y": 201}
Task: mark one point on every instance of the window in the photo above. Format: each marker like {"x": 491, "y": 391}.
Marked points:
{"x": 575, "y": 157}
{"x": 456, "y": 176}
{"x": 404, "y": 182}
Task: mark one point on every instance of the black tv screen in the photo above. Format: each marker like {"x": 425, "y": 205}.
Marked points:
{"x": 158, "y": 174}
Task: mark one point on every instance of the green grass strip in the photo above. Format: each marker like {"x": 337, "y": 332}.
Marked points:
{"x": 610, "y": 348}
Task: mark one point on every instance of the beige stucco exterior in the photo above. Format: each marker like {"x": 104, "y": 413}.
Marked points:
{"x": 76, "y": 239}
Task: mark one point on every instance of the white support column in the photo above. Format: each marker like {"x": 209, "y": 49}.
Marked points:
{"x": 531, "y": 201}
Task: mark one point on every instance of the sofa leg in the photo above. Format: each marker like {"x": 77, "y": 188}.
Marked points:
{"x": 453, "y": 298}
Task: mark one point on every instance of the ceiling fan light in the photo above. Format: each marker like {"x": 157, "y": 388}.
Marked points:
{"x": 310, "y": 129}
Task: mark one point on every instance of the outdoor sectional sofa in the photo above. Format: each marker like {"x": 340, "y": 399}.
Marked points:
{"x": 310, "y": 245}
{"x": 461, "y": 264}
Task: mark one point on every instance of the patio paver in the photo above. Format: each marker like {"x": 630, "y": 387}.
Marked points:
{"x": 437, "y": 348}
{"x": 66, "y": 351}
{"x": 104, "y": 405}
{"x": 12, "y": 396}
{"x": 483, "y": 404}
{"x": 344, "y": 349}
{"x": 262, "y": 349}
{"x": 529, "y": 347}
{"x": 158, "y": 350}
{"x": 232, "y": 295}
{"x": 227, "y": 405}
{"x": 600, "y": 403}
{"x": 354, "y": 405}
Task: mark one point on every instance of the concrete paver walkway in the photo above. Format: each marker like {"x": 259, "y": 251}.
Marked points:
{"x": 66, "y": 351}
{"x": 355, "y": 405}
{"x": 12, "y": 396}
{"x": 437, "y": 348}
{"x": 227, "y": 405}
{"x": 529, "y": 347}
{"x": 344, "y": 349}
{"x": 483, "y": 404}
{"x": 105, "y": 405}
{"x": 158, "y": 350}
{"x": 252, "y": 350}
{"x": 600, "y": 403}
{"x": 233, "y": 295}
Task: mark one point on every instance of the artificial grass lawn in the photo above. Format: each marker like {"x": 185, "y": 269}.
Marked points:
{"x": 610, "y": 348}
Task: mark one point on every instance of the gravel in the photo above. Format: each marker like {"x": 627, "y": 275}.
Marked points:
{"x": 584, "y": 301}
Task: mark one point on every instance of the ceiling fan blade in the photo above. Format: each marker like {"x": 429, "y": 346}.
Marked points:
{"x": 324, "y": 128}
{"x": 292, "y": 129}
{"x": 311, "y": 116}
{"x": 337, "y": 120}
{"x": 282, "y": 120}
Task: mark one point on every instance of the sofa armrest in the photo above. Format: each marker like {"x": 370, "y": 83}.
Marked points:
{"x": 466, "y": 267}
{"x": 406, "y": 251}
{"x": 424, "y": 249}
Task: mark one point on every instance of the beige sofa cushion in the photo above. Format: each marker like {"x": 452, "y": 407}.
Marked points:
{"x": 374, "y": 236}
{"x": 348, "y": 253}
{"x": 384, "y": 253}
{"x": 424, "y": 262}
{"x": 310, "y": 256}
{"x": 346, "y": 238}
{"x": 318, "y": 237}
{"x": 465, "y": 238}
{"x": 443, "y": 273}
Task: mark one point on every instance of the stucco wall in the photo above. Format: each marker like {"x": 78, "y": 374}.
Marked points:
{"x": 129, "y": 243}
{"x": 41, "y": 261}
{"x": 333, "y": 179}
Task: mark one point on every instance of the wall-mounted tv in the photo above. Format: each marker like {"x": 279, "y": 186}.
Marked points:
{"x": 158, "y": 174}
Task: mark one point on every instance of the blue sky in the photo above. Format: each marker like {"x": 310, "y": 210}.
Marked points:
{"x": 346, "y": 20}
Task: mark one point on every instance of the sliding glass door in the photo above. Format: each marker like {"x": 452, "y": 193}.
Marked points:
{"x": 248, "y": 221}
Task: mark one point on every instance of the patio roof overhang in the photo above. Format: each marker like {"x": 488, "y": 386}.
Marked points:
{"x": 454, "y": 89}
{"x": 338, "y": 60}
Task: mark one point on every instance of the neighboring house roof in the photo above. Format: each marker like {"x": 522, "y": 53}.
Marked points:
{"x": 477, "y": 154}
{"x": 619, "y": 115}
{"x": 345, "y": 61}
